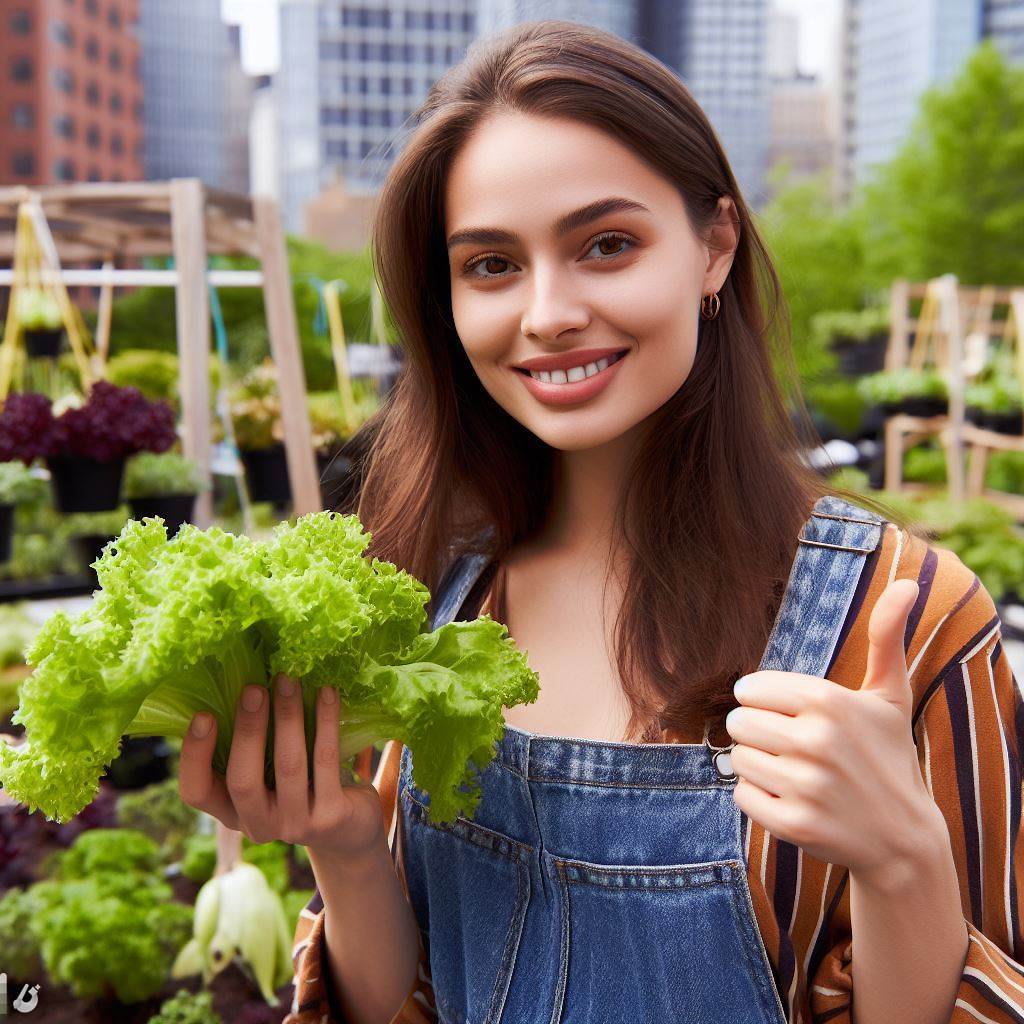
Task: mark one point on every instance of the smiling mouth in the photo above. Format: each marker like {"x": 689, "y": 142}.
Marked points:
{"x": 574, "y": 374}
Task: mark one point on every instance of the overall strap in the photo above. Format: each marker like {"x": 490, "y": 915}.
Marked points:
{"x": 831, "y": 555}
{"x": 458, "y": 580}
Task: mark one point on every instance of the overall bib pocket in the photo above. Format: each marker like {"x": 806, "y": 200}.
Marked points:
{"x": 469, "y": 887}
{"x": 615, "y": 916}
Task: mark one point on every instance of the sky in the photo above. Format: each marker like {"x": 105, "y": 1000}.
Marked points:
{"x": 819, "y": 20}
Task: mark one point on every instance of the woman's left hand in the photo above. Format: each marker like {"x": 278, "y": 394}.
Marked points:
{"x": 835, "y": 770}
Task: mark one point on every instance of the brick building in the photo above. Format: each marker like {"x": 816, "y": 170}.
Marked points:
{"x": 70, "y": 91}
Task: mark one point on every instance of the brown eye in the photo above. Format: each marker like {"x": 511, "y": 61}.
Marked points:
{"x": 615, "y": 242}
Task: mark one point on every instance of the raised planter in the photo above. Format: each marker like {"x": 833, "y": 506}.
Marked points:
{"x": 266, "y": 474}
{"x": 43, "y": 341}
{"x": 6, "y": 532}
{"x": 173, "y": 509}
{"x": 85, "y": 485}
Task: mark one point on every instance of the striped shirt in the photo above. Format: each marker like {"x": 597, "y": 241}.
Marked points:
{"x": 969, "y": 730}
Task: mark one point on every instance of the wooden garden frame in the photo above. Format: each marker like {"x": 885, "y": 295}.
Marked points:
{"x": 950, "y": 313}
{"x": 108, "y": 224}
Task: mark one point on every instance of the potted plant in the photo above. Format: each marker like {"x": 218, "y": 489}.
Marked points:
{"x": 88, "y": 533}
{"x": 163, "y": 484}
{"x": 41, "y": 322}
{"x": 17, "y": 484}
{"x": 859, "y": 339}
{"x": 1004, "y": 408}
{"x": 915, "y": 392}
{"x": 256, "y": 417}
{"x": 90, "y": 443}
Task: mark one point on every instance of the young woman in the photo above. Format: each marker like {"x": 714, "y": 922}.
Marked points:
{"x": 588, "y": 442}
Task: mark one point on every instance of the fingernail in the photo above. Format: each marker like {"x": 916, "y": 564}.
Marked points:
{"x": 285, "y": 686}
{"x": 327, "y": 695}
{"x": 201, "y": 725}
{"x": 252, "y": 698}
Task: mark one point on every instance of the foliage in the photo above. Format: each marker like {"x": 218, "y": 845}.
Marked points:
{"x": 256, "y": 409}
{"x": 183, "y": 626}
{"x": 158, "y": 812}
{"x": 199, "y": 858}
{"x": 840, "y": 402}
{"x": 925, "y": 464}
{"x": 19, "y": 944}
{"x": 108, "y": 850}
{"x": 154, "y": 373}
{"x": 850, "y": 325}
{"x": 187, "y": 1008}
{"x": 145, "y": 319}
{"x": 113, "y": 423}
{"x": 152, "y": 474}
{"x": 998, "y": 394}
{"x": 272, "y": 859}
{"x": 295, "y": 901}
{"x": 112, "y": 933}
{"x": 17, "y": 484}
{"x": 951, "y": 200}
{"x": 38, "y": 310}
{"x": 890, "y": 386}
{"x": 1005, "y": 472}
{"x": 17, "y": 631}
{"x": 26, "y": 422}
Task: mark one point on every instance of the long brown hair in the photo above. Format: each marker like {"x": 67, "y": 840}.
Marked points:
{"x": 710, "y": 516}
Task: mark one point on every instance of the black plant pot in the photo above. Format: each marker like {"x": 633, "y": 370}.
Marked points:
{"x": 89, "y": 547}
{"x": 266, "y": 473}
{"x": 6, "y": 532}
{"x": 975, "y": 415}
{"x": 918, "y": 405}
{"x": 857, "y": 358}
{"x": 43, "y": 341}
{"x": 173, "y": 509}
{"x": 1005, "y": 422}
{"x": 142, "y": 761}
{"x": 85, "y": 485}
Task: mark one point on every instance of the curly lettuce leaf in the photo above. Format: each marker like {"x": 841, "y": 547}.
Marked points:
{"x": 182, "y": 625}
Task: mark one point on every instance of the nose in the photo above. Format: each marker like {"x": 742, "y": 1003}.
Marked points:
{"x": 552, "y": 310}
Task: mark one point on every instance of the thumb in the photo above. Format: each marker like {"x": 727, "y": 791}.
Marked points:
{"x": 886, "y": 672}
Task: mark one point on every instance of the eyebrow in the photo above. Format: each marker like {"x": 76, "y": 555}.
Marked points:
{"x": 565, "y": 224}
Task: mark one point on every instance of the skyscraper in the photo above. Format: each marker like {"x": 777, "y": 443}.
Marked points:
{"x": 197, "y": 96}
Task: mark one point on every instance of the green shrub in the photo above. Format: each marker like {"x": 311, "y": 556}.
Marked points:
{"x": 17, "y": 940}
{"x": 17, "y": 484}
{"x": 157, "y": 811}
{"x": 153, "y": 474}
{"x": 199, "y": 858}
{"x": 846, "y": 325}
{"x": 889, "y": 386}
{"x": 187, "y": 1008}
{"x": 154, "y": 373}
{"x": 113, "y": 850}
{"x": 925, "y": 464}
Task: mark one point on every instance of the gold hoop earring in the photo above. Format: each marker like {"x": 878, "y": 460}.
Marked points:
{"x": 710, "y": 305}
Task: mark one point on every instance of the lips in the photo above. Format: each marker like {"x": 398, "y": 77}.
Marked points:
{"x": 572, "y": 394}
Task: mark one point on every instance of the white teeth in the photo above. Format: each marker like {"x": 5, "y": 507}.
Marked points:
{"x": 574, "y": 373}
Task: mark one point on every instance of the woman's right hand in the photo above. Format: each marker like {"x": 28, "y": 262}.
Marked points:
{"x": 327, "y": 816}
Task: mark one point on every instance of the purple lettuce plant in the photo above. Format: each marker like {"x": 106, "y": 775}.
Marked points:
{"x": 26, "y": 427}
{"x": 113, "y": 423}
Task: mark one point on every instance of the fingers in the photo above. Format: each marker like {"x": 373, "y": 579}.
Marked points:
{"x": 326, "y": 778}
{"x": 198, "y": 784}
{"x": 291, "y": 771}
{"x": 245, "y": 764}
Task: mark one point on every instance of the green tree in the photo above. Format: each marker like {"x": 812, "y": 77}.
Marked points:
{"x": 952, "y": 199}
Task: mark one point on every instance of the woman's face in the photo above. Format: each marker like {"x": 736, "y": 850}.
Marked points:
{"x": 534, "y": 275}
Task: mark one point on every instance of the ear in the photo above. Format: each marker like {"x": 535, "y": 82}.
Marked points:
{"x": 719, "y": 243}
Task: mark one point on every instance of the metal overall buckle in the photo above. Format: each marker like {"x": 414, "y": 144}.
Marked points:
{"x": 721, "y": 757}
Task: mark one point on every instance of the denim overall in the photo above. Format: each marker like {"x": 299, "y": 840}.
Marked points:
{"x": 606, "y": 883}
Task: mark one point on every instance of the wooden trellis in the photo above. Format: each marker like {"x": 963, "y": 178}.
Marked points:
{"x": 953, "y": 332}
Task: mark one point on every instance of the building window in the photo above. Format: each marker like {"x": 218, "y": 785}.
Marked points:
{"x": 21, "y": 115}
{"x": 114, "y": 60}
{"x": 63, "y": 80}
{"x": 116, "y": 144}
{"x": 114, "y": 17}
{"x": 92, "y": 48}
{"x": 116, "y": 103}
{"x": 21, "y": 69}
{"x": 23, "y": 164}
{"x": 62, "y": 33}
{"x": 64, "y": 170}
{"x": 92, "y": 94}
{"x": 21, "y": 23}
{"x": 93, "y": 137}
{"x": 64, "y": 126}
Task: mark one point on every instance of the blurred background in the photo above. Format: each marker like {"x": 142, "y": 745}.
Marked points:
{"x": 880, "y": 143}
